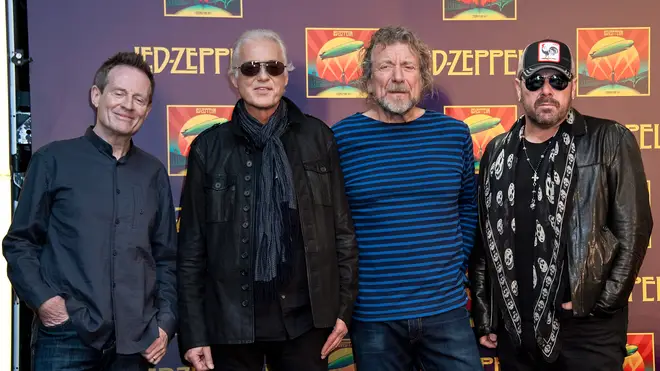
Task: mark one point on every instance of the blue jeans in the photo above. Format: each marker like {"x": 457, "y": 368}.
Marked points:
{"x": 58, "y": 348}
{"x": 441, "y": 342}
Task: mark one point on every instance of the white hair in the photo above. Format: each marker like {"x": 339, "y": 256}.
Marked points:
{"x": 253, "y": 35}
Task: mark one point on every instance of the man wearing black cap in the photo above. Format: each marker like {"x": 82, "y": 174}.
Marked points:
{"x": 564, "y": 221}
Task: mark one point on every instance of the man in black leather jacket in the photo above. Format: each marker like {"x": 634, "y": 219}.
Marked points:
{"x": 565, "y": 221}
{"x": 268, "y": 256}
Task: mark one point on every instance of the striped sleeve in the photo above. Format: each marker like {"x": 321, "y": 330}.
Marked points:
{"x": 468, "y": 200}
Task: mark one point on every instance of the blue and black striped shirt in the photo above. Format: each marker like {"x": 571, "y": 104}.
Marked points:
{"x": 412, "y": 193}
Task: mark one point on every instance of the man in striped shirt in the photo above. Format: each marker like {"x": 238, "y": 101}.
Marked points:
{"x": 410, "y": 181}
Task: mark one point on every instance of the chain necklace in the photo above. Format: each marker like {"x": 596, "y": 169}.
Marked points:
{"x": 535, "y": 169}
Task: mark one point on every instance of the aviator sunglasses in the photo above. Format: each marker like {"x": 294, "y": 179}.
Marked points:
{"x": 536, "y": 81}
{"x": 252, "y": 68}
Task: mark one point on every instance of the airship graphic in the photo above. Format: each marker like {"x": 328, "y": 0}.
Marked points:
{"x": 612, "y": 48}
{"x": 341, "y": 362}
{"x": 479, "y": 123}
{"x": 631, "y": 349}
{"x": 342, "y": 49}
{"x": 198, "y": 128}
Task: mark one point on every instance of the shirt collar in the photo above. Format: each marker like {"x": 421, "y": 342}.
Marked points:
{"x": 105, "y": 147}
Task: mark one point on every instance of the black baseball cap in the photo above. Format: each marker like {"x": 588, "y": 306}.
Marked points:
{"x": 547, "y": 53}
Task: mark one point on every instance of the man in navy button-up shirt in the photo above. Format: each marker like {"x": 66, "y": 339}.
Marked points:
{"x": 91, "y": 248}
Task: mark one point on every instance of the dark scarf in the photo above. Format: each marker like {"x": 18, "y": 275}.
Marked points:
{"x": 553, "y": 186}
{"x": 275, "y": 198}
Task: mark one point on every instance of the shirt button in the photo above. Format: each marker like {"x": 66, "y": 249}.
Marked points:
{"x": 246, "y": 208}
{"x": 322, "y": 168}
{"x": 244, "y": 255}
{"x": 245, "y": 224}
{"x": 116, "y": 221}
{"x": 246, "y": 193}
{"x": 283, "y": 296}
{"x": 243, "y": 273}
{"x": 249, "y": 164}
{"x": 244, "y": 303}
{"x": 118, "y": 191}
{"x": 114, "y": 253}
{"x": 244, "y": 240}
{"x": 245, "y": 287}
{"x": 247, "y": 178}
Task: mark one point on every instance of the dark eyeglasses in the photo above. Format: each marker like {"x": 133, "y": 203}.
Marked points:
{"x": 252, "y": 68}
{"x": 536, "y": 81}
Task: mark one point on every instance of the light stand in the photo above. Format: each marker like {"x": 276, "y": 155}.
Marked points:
{"x": 20, "y": 152}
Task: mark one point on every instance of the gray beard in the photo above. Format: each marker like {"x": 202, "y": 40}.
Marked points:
{"x": 396, "y": 108}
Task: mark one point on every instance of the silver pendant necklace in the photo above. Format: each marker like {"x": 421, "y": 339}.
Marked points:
{"x": 535, "y": 169}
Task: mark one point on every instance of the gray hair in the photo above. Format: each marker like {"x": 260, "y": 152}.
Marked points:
{"x": 253, "y": 35}
{"x": 389, "y": 35}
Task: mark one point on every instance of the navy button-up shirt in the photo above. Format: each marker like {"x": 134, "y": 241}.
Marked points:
{"x": 101, "y": 233}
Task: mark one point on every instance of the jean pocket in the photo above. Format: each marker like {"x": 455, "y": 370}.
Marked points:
{"x": 56, "y": 327}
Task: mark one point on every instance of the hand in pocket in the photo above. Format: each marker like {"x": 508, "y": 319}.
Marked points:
{"x": 53, "y": 312}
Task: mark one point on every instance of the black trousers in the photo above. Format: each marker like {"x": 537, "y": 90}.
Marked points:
{"x": 301, "y": 353}
{"x": 587, "y": 344}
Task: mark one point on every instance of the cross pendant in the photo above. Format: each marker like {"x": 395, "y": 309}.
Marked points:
{"x": 535, "y": 178}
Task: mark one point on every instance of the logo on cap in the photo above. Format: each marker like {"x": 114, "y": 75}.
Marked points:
{"x": 549, "y": 52}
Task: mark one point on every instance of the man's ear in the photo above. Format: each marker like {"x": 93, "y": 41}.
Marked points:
{"x": 233, "y": 79}
{"x": 95, "y": 96}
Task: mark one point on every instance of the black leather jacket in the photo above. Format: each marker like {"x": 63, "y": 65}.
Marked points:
{"x": 610, "y": 226}
{"x": 215, "y": 262}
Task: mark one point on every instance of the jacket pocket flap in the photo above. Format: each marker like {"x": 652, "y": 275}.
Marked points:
{"x": 219, "y": 182}
{"x": 317, "y": 166}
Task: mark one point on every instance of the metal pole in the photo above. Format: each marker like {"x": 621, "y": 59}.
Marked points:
{"x": 16, "y": 325}
{"x": 12, "y": 78}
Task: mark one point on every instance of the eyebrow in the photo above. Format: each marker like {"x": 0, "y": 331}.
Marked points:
{"x": 390, "y": 61}
{"x": 126, "y": 91}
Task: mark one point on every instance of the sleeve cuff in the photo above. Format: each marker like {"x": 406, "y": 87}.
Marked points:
{"x": 41, "y": 294}
{"x": 346, "y": 318}
{"x": 483, "y": 331}
{"x": 185, "y": 345}
{"x": 168, "y": 324}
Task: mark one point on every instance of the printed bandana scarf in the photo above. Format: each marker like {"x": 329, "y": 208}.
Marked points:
{"x": 551, "y": 201}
